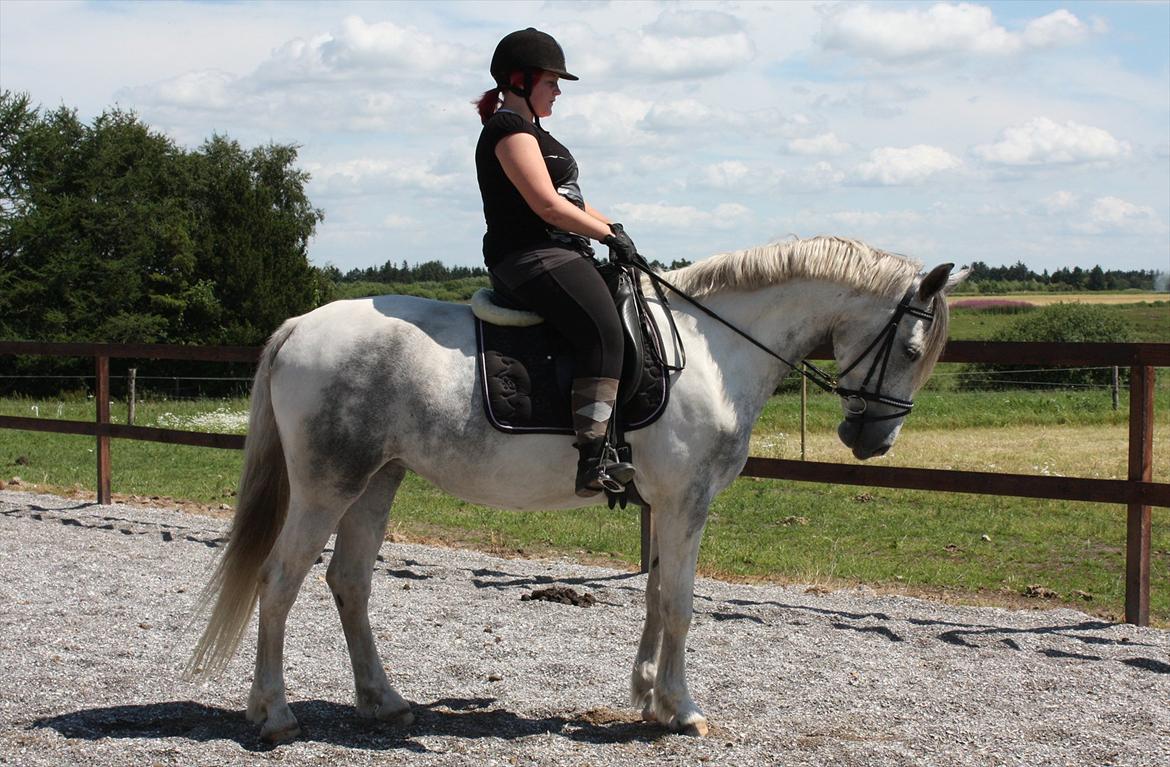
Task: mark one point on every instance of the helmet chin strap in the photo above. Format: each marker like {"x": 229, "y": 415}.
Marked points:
{"x": 526, "y": 93}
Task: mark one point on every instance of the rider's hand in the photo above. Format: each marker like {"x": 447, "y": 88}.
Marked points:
{"x": 621, "y": 247}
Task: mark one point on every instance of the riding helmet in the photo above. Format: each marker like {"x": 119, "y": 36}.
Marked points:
{"x": 528, "y": 49}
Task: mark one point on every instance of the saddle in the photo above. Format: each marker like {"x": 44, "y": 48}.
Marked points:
{"x": 526, "y": 367}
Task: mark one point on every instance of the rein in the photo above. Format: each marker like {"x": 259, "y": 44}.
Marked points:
{"x": 856, "y": 400}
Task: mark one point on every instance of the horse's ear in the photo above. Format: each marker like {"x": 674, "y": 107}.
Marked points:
{"x": 940, "y": 279}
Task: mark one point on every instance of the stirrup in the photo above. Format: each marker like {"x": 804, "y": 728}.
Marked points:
{"x": 603, "y": 472}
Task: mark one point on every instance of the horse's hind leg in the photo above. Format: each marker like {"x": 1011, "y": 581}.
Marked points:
{"x": 359, "y": 537}
{"x": 307, "y": 528}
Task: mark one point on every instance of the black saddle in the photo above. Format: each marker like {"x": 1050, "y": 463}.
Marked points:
{"x": 526, "y": 372}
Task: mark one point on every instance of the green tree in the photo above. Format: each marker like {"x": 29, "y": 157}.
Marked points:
{"x": 111, "y": 232}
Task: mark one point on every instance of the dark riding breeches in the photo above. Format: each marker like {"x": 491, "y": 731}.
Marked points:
{"x": 573, "y": 297}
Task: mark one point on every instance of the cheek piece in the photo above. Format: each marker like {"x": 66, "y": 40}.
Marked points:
{"x": 857, "y": 400}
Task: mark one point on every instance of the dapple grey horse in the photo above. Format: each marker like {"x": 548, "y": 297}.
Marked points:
{"x": 350, "y": 396}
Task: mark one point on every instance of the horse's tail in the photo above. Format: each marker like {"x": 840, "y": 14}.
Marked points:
{"x": 261, "y": 505}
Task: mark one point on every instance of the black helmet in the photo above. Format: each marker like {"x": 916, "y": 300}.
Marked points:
{"x": 528, "y": 49}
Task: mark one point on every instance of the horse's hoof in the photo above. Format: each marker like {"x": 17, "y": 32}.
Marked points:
{"x": 402, "y": 718}
{"x": 395, "y": 713}
{"x": 695, "y": 729}
{"x": 285, "y": 734}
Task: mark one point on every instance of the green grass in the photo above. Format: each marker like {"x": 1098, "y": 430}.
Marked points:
{"x": 1150, "y": 321}
{"x": 911, "y": 541}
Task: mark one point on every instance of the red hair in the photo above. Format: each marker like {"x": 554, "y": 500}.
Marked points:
{"x": 489, "y": 102}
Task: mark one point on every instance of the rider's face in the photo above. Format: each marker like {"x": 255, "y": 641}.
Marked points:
{"x": 544, "y": 91}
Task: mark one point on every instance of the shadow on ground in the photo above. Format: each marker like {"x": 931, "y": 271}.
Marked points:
{"x": 339, "y": 725}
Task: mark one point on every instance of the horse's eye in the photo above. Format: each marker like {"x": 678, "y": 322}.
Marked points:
{"x": 913, "y": 353}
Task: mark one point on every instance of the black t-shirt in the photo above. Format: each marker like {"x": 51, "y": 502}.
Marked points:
{"x": 512, "y": 226}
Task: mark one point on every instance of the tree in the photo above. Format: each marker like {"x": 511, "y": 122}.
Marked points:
{"x": 111, "y": 232}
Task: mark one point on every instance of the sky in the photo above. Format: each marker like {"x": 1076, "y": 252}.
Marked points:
{"x": 995, "y": 132}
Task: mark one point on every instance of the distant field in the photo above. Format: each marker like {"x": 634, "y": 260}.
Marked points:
{"x": 1150, "y": 320}
{"x": 1095, "y": 297}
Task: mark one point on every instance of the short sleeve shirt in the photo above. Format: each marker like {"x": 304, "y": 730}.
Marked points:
{"x": 512, "y": 225}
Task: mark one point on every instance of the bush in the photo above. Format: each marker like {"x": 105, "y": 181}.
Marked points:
{"x": 1063, "y": 323}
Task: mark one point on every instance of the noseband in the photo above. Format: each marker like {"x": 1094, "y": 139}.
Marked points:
{"x": 856, "y": 400}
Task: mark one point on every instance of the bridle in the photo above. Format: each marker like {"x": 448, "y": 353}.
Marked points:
{"x": 856, "y": 401}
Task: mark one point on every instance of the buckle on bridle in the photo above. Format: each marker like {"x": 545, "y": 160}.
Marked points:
{"x": 855, "y": 405}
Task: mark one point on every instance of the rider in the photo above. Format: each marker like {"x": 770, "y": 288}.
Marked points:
{"x": 537, "y": 247}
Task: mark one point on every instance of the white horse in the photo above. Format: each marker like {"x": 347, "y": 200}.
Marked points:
{"x": 350, "y": 396}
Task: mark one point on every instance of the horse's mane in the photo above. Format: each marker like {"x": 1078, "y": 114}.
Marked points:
{"x": 836, "y": 259}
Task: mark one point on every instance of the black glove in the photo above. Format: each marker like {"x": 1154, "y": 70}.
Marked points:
{"x": 621, "y": 247}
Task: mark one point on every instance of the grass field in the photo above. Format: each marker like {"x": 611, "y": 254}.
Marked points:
{"x": 1150, "y": 320}
{"x": 972, "y": 548}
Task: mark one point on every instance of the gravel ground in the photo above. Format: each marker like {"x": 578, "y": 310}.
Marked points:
{"x": 93, "y": 632}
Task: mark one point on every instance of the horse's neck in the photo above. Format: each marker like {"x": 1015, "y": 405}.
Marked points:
{"x": 790, "y": 318}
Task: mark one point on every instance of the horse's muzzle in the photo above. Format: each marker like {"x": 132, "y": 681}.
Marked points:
{"x": 866, "y": 440}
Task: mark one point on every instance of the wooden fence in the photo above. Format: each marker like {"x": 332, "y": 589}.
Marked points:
{"x": 1138, "y": 492}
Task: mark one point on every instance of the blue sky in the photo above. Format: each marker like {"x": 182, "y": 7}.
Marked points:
{"x": 999, "y": 132}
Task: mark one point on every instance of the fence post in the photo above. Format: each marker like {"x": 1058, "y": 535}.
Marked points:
{"x": 803, "y": 413}
{"x": 102, "y": 396}
{"x": 131, "y": 395}
{"x": 1141, "y": 468}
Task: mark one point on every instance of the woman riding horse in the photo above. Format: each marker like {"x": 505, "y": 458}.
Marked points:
{"x": 537, "y": 243}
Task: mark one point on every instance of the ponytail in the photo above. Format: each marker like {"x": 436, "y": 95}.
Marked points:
{"x": 487, "y": 104}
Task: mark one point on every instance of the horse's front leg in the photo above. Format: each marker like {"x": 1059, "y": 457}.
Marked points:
{"x": 646, "y": 662}
{"x": 678, "y": 533}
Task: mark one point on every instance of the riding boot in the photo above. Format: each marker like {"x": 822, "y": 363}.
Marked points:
{"x": 597, "y": 467}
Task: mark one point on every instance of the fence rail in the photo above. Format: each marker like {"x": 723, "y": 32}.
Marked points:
{"x": 1138, "y": 492}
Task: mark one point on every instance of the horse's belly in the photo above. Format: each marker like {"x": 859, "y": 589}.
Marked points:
{"x": 502, "y": 470}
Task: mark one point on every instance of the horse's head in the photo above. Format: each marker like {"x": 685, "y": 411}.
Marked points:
{"x": 886, "y": 358}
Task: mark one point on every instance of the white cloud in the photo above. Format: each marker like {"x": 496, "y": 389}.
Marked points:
{"x": 686, "y": 43}
{"x": 1057, "y": 28}
{"x": 1060, "y": 201}
{"x": 681, "y": 115}
{"x": 1113, "y": 214}
{"x": 722, "y": 216}
{"x": 895, "y": 166}
{"x": 731, "y": 174}
{"x": 205, "y": 89}
{"x": 943, "y": 30}
{"x": 826, "y": 144}
{"x": 868, "y": 220}
{"x": 608, "y": 119}
{"x": 363, "y": 51}
{"x": 397, "y": 221}
{"x": 368, "y": 176}
{"x": 1042, "y": 141}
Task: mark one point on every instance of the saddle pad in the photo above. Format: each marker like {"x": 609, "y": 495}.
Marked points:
{"x": 526, "y": 374}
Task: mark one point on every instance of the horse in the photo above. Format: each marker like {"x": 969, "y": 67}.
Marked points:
{"x": 350, "y": 396}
